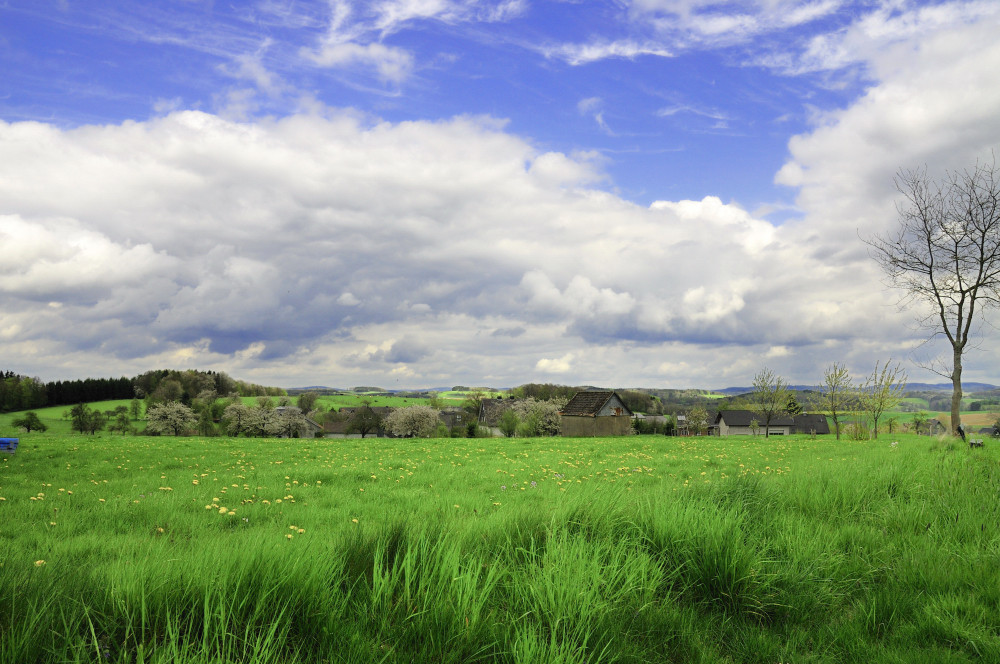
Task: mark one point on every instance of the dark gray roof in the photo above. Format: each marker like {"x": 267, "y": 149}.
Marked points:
{"x": 742, "y": 418}
{"x": 589, "y": 403}
{"x": 808, "y": 423}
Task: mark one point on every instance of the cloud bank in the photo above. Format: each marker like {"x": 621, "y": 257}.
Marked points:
{"x": 331, "y": 246}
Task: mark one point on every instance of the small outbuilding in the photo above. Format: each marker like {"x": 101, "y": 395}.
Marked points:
{"x": 596, "y": 413}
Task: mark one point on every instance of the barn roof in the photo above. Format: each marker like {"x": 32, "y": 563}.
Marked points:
{"x": 589, "y": 403}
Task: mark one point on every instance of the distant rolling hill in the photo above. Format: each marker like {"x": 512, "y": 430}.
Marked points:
{"x": 968, "y": 388}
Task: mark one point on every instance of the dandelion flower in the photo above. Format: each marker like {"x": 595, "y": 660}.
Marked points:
{"x": 223, "y": 510}
{"x": 288, "y": 536}
{"x": 301, "y": 531}
{"x": 39, "y": 563}
{"x": 354, "y": 520}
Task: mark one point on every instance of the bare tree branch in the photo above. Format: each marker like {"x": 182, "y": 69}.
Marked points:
{"x": 945, "y": 254}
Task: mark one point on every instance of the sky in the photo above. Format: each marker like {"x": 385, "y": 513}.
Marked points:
{"x": 416, "y": 193}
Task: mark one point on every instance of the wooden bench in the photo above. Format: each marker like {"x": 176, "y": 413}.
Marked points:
{"x": 8, "y": 445}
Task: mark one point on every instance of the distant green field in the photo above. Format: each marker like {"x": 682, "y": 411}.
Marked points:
{"x": 53, "y": 417}
{"x": 460, "y": 396}
{"x": 341, "y": 400}
{"x": 635, "y": 549}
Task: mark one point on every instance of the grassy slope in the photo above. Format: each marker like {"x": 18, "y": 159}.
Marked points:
{"x": 341, "y": 400}
{"x": 547, "y": 550}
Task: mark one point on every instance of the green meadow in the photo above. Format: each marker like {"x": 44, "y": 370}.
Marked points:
{"x": 637, "y": 549}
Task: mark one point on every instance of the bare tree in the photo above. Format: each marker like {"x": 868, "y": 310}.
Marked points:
{"x": 770, "y": 396}
{"x": 946, "y": 255}
{"x": 881, "y": 392}
{"x": 838, "y": 394}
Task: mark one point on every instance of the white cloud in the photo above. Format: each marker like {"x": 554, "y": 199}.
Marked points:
{"x": 357, "y": 32}
{"x": 293, "y": 237}
{"x": 392, "y": 64}
{"x": 601, "y": 49}
{"x": 559, "y": 365}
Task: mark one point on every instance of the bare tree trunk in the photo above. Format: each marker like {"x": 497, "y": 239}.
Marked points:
{"x": 956, "y": 392}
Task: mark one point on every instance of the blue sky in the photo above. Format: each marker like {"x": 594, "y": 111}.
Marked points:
{"x": 425, "y": 192}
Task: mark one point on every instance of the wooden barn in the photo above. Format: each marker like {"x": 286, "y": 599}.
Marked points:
{"x": 595, "y": 413}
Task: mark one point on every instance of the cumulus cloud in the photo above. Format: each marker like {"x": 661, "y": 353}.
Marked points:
{"x": 559, "y": 365}
{"x": 318, "y": 236}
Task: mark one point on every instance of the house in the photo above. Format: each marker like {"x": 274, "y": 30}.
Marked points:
{"x": 811, "y": 424}
{"x": 307, "y": 429}
{"x": 936, "y": 428}
{"x": 454, "y": 416}
{"x": 341, "y": 426}
{"x": 989, "y": 431}
{"x": 749, "y": 423}
{"x": 490, "y": 412}
{"x": 596, "y": 413}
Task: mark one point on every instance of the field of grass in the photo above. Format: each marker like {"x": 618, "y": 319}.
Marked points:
{"x": 339, "y": 401}
{"x": 638, "y": 549}
{"x": 53, "y": 417}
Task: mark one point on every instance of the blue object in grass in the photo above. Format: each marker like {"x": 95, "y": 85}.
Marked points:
{"x": 8, "y": 445}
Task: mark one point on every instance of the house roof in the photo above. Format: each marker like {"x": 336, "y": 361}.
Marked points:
{"x": 590, "y": 403}
{"x": 491, "y": 410}
{"x": 806, "y": 423}
{"x": 742, "y": 418}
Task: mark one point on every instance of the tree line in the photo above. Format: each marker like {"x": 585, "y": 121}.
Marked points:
{"x": 19, "y": 392}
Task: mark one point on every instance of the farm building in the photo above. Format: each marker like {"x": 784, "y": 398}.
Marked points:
{"x": 595, "y": 413}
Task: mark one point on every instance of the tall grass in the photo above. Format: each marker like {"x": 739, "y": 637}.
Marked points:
{"x": 641, "y": 549}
